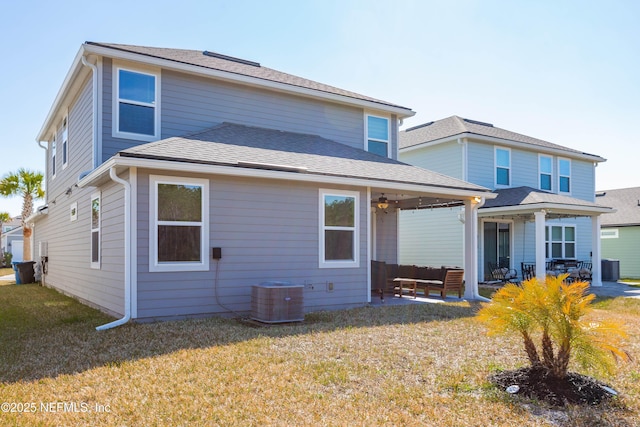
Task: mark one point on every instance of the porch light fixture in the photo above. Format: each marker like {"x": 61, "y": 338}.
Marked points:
{"x": 382, "y": 202}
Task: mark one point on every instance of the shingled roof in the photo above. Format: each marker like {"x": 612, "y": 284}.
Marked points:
{"x": 216, "y": 61}
{"x": 236, "y": 145}
{"x": 522, "y": 196}
{"x": 626, "y": 201}
{"x": 454, "y": 126}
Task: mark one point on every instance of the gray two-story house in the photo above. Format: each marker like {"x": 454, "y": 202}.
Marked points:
{"x": 177, "y": 179}
{"x": 545, "y": 207}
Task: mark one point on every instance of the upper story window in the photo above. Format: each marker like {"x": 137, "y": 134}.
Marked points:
{"x": 378, "y": 135}
{"x": 53, "y": 157}
{"x": 338, "y": 229}
{"x": 179, "y": 217}
{"x": 136, "y": 105}
{"x": 564, "y": 175}
{"x": 503, "y": 166}
{"x": 65, "y": 143}
{"x": 545, "y": 165}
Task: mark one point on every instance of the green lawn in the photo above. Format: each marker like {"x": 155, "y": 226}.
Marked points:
{"x": 396, "y": 365}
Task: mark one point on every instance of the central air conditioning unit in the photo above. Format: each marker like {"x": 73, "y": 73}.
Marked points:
{"x": 277, "y": 302}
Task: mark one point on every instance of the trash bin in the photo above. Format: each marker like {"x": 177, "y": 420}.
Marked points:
{"x": 610, "y": 270}
{"x": 25, "y": 271}
{"x": 14, "y": 264}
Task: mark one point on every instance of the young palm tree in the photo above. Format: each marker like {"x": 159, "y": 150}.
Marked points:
{"x": 556, "y": 309}
{"x": 27, "y": 184}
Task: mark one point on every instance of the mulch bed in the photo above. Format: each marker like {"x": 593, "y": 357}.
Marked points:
{"x": 536, "y": 383}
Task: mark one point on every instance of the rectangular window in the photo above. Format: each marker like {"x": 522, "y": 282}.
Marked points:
{"x": 503, "y": 166}
{"x": 53, "y": 157}
{"x": 545, "y": 167}
{"x": 65, "y": 144}
{"x": 179, "y": 216}
{"x": 136, "y": 105}
{"x": 560, "y": 241}
{"x": 378, "y": 135}
{"x": 609, "y": 233}
{"x": 339, "y": 229}
{"x": 564, "y": 175}
{"x": 95, "y": 230}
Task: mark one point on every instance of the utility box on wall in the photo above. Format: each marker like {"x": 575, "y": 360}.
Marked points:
{"x": 277, "y": 302}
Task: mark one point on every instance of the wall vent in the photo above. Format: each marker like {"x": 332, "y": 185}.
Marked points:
{"x": 277, "y": 302}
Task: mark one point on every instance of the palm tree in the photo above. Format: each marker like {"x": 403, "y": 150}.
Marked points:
{"x": 27, "y": 184}
{"x": 556, "y": 309}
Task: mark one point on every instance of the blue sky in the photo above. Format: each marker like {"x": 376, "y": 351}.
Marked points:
{"x": 563, "y": 71}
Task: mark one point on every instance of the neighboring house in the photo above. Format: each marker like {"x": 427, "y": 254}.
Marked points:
{"x": 545, "y": 206}
{"x": 5, "y": 242}
{"x": 177, "y": 179}
{"x": 620, "y": 234}
{"x": 12, "y": 242}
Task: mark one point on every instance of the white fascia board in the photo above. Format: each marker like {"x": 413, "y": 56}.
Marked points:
{"x": 231, "y": 170}
{"x": 508, "y": 143}
{"x": 248, "y": 80}
{"x": 550, "y": 207}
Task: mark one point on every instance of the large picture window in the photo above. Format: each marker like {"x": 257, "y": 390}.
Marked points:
{"x": 378, "y": 135}
{"x": 503, "y": 166}
{"x": 560, "y": 241}
{"x": 338, "y": 229}
{"x": 95, "y": 230}
{"x": 179, "y": 214}
{"x": 136, "y": 103}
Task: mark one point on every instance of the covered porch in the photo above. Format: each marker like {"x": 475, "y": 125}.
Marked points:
{"x": 386, "y": 205}
{"x": 545, "y": 227}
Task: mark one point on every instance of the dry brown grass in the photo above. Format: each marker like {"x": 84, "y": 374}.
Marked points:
{"x": 402, "y": 365}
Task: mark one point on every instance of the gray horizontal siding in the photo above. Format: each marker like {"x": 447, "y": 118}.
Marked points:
{"x": 190, "y": 103}
{"x": 268, "y": 230}
{"x": 69, "y": 244}
{"x": 443, "y": 158}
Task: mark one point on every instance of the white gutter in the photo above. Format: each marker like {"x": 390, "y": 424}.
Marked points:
{"x": 232, "y": 170}
{"x": 127, "y": 252}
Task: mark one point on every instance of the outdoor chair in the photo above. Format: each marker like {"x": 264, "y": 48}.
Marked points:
{"x": 502, "y": 274}
{"x": 453, "y": 281}
{"x": 528, "y": 270}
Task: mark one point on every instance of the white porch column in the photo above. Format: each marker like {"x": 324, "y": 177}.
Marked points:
{"x": 471, "y": 248}
{"x": 596, "y": 255}
{"x": 541, "y": 270}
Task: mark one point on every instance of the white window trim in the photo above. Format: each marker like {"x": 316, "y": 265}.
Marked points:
{"x": 495, "y": 167}
{"x": 549, "y": 242}
{"x": 366, "y": 133}
{"x": 95, "y": 265}
{"x": 65, "y": 142}
{"x": 116, "y": 133}
{"x": 355, "y": 263}
{"x": 154, "y": 265}
{"x": 54, "y": 150}
{"x": 540, "y": 173}
{"x": 560, "y": 176}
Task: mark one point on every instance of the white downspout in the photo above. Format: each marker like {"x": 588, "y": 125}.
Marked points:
{"x": 94, "y": 72}
{"x": 127, "y": 253}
